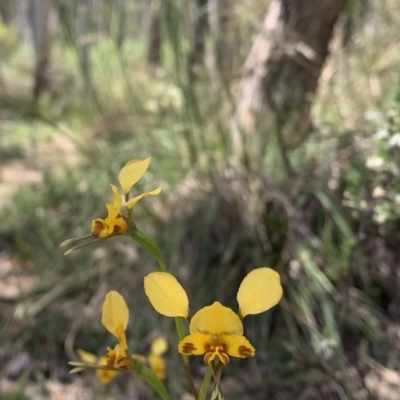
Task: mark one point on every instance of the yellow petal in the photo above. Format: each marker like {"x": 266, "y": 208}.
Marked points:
{"x": 259, "y": 291}
{"x": 116, "y": 199}
{"x": 112, "y": 211}
{"x": 86, "y": 357}
{"x": 159, "y": 346}
{"x": 102, "y": 360}
{"x": 115, "y": 314}
{"x": 194, "y": 344}
{"x": 166, "y": 294}
{"x": 105, "y": 376}
{"x": 119, "y": 225}
{"x": 117, "y": 358}
{"x": 216, "y": 319}
{"x": 130, "y": 204}
{"x": 132, "y": 172}
{"x": 157, "y": 365}
{"x": 238, "y": 346}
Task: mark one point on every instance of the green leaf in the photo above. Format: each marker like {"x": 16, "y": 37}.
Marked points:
{"x": 147, "y": 375}
{"x": 337, "y": 217}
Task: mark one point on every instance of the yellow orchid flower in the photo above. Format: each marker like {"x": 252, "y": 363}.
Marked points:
{"x": 216, "y": 330}
{"x": 154, "y": 360}
{"x": 115, "y": 318}
{"x": 116, "y": 223}
{"x": 104, "y": 376}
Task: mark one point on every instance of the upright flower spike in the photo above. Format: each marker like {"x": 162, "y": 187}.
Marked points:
{"x": 215, "y": 331}
{"x": 115, "y": 319}
{"x": 115, "y": 222}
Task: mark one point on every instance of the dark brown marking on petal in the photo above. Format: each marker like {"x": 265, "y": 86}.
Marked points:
{"x": 245, "y": 351}
{"x": 188, "y": 348}
{"x": 97, "y": 227}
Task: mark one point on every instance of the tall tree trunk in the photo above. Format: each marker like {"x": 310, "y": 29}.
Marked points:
{"x": 84, "y": 42}
{"x": 224, "y": 45}
{"x": 154, "y": 49}
{"x": 6, "y": 11}
{"x": 196, "y": 56}
{"x": 39, "y": 14}
{"x": 122, "y": 11}
{"x": 281, "y": 73}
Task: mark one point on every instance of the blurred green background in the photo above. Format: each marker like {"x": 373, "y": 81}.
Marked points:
{"x": 274, "y": 131}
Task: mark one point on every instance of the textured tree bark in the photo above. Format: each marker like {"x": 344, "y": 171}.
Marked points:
{"x": 196, "y": 55}
{"x": 6, "y": 11}
{"x": 39, "y": 13}
{"x": 154, "y": 49}
{"x": 281, "y": 73}
{"x": 83, "y": 34}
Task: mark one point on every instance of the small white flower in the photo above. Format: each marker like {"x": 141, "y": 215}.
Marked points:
{"x": 395, "y": 140}
{"x": 371, "y": 115}
{"x": 325, "y": 347}
{"x": 380, "y": 216}
{"x": 379, "y": 191}
{"x": 382, "y": 133}
{"x": 375, "y": 162}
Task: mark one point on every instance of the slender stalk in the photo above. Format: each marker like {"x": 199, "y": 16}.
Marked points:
{"x": 205, "y": 383}
{"x": 79, "y": 246}
{"x": 186, "y": 365}
{"x": 148, "y": 376}
{"x": 129, "y": 217}
{"x": 147, "y": 242}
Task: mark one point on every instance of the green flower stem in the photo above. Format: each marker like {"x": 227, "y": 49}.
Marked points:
{"x": 129, "y": 217}
{"x": 205, "y": 383}
{"x": 150, "y": 245}
{"x": 148, "y": 376}
{"x": 181, "y": 335}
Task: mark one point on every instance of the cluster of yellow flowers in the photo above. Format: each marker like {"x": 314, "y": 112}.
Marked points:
{"x": 215, "y": 331}
{"x": 115, "y": 318}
